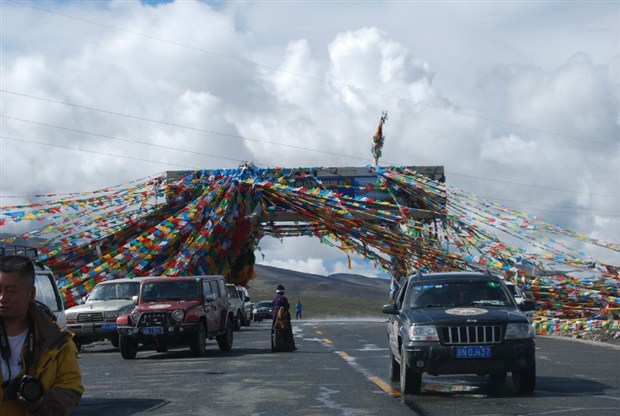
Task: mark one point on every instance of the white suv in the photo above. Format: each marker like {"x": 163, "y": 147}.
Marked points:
{"x": 45, "y": 282}
{"x": 48, "y": 293}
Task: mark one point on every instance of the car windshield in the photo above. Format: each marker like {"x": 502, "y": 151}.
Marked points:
{"x": 458, "y": 293}
{"x": 171, "y": 290}
{"x": 119, "y": 290}
{"x": 232, "y": 291}
{"x": 264, "y": 304}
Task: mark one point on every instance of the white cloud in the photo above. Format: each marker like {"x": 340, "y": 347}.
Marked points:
{"x": 432, "y": 66}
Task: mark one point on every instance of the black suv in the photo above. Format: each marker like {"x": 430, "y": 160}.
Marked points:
{"x": 459, "y": 323}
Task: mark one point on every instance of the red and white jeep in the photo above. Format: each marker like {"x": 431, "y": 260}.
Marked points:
{"x": 178, "y": 311}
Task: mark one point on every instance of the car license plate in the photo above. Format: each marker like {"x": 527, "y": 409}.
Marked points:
{"x": 108, "y": 326}
{"x": 473, "y": 352}
{"x": 153, "y": 330}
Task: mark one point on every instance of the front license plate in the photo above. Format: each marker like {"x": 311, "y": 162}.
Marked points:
{"x": 153, "y": 330}
{"x": 108, "y": 326}
{"x": 473, "y": 352}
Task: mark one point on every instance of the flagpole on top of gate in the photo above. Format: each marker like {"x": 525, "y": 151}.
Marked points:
{"x": 378, "y": 139}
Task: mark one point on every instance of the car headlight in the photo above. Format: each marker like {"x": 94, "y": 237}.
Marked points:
{"x": 111, "y": 314}
{"x": 423, "y": 333}
{"x": 178, "y": 315}
{"x": 135, "y": 317}
{"x": 519, "y": 331}
{"x": 71, "y": 315}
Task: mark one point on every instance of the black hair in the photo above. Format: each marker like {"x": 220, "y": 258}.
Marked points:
{"x": 21, "y": 265}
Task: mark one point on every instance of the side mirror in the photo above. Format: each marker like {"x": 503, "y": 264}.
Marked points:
{"x": 210, "y": 297}
{"x": 246, "y": 299}
{"x": 527, "y": 305}
{"x": 390, "y": 309}
{"x": 134, "y": 299}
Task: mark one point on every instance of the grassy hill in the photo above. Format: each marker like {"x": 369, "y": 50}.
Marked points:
{"x": 337, "y": 295}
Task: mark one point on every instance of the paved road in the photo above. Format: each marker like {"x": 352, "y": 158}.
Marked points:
{"x": 340, "y": 368}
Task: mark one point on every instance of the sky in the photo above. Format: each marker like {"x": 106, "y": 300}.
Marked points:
{"x": 518, "y": 100}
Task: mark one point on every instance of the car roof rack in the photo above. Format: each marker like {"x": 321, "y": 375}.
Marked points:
{"x": 22, "y": 250}
{"x": 18, "y": 250}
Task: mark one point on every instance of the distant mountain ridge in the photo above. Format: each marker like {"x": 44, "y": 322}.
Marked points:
{"x": 340, "y": 294}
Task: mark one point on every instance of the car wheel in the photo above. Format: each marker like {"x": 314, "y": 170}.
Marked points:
{"x": 225, "y": 340}
{"x": 128, "y": 347}
{"x": 237, "y": 321}
{"x": 410, "y": 381}
{"x": 498, "y": 377}
{"x": 198, "y": 342}
{"x": 524, "y": 380}
{"x": 394, "y": 368}
{"x": 114, "y": 341}
{"x": 161, "y": 348}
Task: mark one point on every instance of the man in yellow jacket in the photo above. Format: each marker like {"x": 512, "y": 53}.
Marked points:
{"x": 40, "y": 372}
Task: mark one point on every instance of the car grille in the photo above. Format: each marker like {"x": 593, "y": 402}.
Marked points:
{"x": 483, "y": 334}
{"x": 154, "y": 319}
{"x": 90, "y": 317}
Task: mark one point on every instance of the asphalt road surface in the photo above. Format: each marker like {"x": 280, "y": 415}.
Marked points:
{"x": 340, "y": 368}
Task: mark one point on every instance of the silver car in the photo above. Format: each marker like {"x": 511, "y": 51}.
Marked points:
{"x": 95, "y": 320}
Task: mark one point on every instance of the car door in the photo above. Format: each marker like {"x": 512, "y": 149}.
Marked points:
{"x": 224, "y": 304}
{"x": 210, "y": 306}
{"x": 47, "y": 293}
{"x": 394, "y": 321}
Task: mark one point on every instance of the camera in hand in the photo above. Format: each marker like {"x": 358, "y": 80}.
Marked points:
{"x": 28, "y": 387}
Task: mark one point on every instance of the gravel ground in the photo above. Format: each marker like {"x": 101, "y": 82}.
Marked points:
{"x": 611, "y": 336}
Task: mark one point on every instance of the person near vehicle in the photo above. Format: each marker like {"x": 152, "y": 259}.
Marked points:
{"x": 282, "y": 330}
{"x": 298, "y": 309}
{"x": 40, "y": 374}
{"x": 279, "y": 301}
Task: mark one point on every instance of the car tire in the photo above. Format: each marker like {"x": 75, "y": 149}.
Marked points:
{"x": 128, "y": 347}
{"x": 237, "y": 321}
{"x": 161, "y": 348}
{"x": 114, "y": 341}
{"x": 198, "y": 343}
{"x": 524, "y": 380}
{"x": 498, "y": 377}
{"x": 225, "y": 340}
{"x": 410, "y": 381}
{"x": 394, "y": 368}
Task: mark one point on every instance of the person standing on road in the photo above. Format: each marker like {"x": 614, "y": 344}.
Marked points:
{"x": 40, "y": 374}
{"x": 282, "y": 330}
{"x": 280, "y": 301}
{"x": 298, "y": 309}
